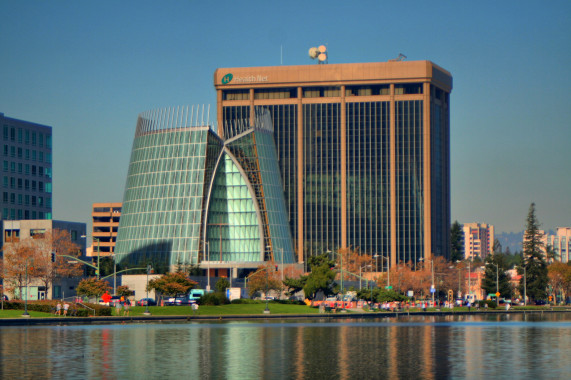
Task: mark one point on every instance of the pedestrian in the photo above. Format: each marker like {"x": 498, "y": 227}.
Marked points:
{"x": 65, "y": 309}
{"x": 469, "y": 305}
{"x": 118, "y": 308}
{"x": 194, "y": 309}
{"x": 126, "y": 307}
{"x": 58, "y": 308}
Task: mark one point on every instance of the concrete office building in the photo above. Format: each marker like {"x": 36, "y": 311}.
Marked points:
{"x": 478, "y": 240}
{"x": 26, "y": 170}
{"x": 105, "y": 223}
{"x": 13, "y": 231}
{"x": 363, "y": 152}
{"x": 193, "y": 198}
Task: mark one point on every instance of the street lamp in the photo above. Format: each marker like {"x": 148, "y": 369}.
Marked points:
{"x": 25, "y": 315}
{"x": 207, "y": 248}
{"x": 149, "y": 268}
{"x": 388, "y": 268}
{"x": 98, "y": 269}
{"x": 341, "y": 263}
{"x": 497, "y": 282}
{"x": 432, "y": 289}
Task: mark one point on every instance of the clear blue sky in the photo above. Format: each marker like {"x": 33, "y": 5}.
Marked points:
{"x": 89, "y": 68}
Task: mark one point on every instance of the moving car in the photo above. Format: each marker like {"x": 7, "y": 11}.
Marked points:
{"x": 179, "y": 301}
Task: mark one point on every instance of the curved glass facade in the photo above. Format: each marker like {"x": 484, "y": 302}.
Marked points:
{"x": 179, "y": 173}
{"x": 163, "y": 201}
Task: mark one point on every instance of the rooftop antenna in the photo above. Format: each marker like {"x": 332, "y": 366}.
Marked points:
{"x": 320, "y": 53}
{"x": 401, "y": 57}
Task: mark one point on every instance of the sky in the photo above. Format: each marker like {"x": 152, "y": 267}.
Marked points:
{"x": 88, "y": 69}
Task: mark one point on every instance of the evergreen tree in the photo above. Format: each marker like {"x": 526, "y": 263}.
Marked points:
{"x": 456, "y": 240}
{"x": 535, "y": 265}
{"x": 493, "y": 276}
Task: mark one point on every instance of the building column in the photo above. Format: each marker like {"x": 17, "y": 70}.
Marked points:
{"x": 300, "y": 151}
{"x": 393, "y": 168}
{"x": 343, "y": 143}
{"x": 427, "y": 139}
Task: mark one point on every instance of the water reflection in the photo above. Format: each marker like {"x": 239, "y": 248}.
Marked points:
{"x": 519, "y": 346}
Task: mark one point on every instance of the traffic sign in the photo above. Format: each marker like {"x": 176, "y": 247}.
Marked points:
{"x": 497, "y": 294}
{"x": 432, "y": 290}
{"x": 388, "y": 287}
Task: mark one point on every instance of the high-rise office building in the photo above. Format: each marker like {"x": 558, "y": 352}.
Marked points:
{"x": 363, "y": 151}
{"x": 26, "y": 170}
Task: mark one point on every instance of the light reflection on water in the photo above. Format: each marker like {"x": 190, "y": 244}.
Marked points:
{"x": 498, "y": 346}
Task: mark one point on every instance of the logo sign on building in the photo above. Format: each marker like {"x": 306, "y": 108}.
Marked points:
{"x": 227, "y": 78}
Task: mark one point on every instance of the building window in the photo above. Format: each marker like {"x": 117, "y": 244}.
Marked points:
{"x": 20, "y": 183}
{"x": 20, "y": 214}
{"x": 41, "y": 139}
{"x": 6, "y": 166}
{"x": 20, "y": 135}
{"x": 13, "y": 151}
{"x": 19, "y": 152}
{"x": 33, "y": 138}
{"x": 27, "y": 184}
{"x": 48, "y": 141}
{"x": 5, "y": 150}
{"x": 26, "y": 200}
{"x": 236, "y": 94}
{"x": 12, "y": 198}
{"x": 20, "y": 200}
{"x": 41, "y": 156}
{"x": 27, "y": 154}
{"x": 27, "y": 169}
{"x": 40, "y": 186}
{"x": 33, "y": 185}
{"x": 27, "y": 135}
{"x": 5, "y": 197}
{"x": 6, "y": 184}
{"x": 33, "y": 155}
{"x": 13, "y": 167}
{"x": 48, "y": 187}
{"x": 33, "y": 169}
{"x": 34, "y": 200}
{"x": 19, "y": 167}
{"x": 13, "y": 134}
{"x": 5, "y": 134}
{"x": 12, "y": 182}
{"x": 408, "y": 89}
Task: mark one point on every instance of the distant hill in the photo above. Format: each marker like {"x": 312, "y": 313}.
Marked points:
{"x": 512, "y": 240}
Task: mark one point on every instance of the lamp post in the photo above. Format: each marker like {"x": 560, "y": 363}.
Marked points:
{"x": 267, "y": 310}
{"x": 524, "y": 287}
{"x": 207, "y": 248}
{"x": 432, "y": 289}
{"x": 497, "y": 281}
{"x": 147, "y": 312}
{"x": 341, "y": 263}
{"x": 388, "y": 269}
{"x": 25, "y": 314}
{"x": 98, "y": 269}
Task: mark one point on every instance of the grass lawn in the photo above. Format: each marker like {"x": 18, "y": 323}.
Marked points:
{"x": 232, "y": 309}
{"x": 18, "y": 314}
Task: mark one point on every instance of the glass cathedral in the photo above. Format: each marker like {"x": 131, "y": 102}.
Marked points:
{"x": 193, "y": 198}
{"x": 363, "y": 151}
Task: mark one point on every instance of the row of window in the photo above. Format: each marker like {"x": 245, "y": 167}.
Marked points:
{"x": 19, "y": 183}
{"x": 19, "y": 214}
{"x": 27, "y": 169}
{"x": 323, "y": 91}
{"x": 27, "y": 154}
{"x": 27, "y": 137}
{"x": 26, "y": 200}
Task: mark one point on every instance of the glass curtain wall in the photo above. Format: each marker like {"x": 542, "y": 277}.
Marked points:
{"x": 409, "y": 180}
{"x": 284, "y": 121}
{"x": 368, "y": 177}
{"x": 322, "y": 176}
{"x": 440, "y": 162}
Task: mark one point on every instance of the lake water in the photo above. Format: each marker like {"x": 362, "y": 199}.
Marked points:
{"x": 531, "y": 346}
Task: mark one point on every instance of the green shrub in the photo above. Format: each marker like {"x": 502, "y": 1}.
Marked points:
{"x": 213, "y": 299}
{"x": 245, "y": 301}
{"x": 491, "y": 304}
{"x": 49, "y": 306}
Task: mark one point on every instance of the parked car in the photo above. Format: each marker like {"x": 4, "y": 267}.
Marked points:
{"x": 112, "y": 302}
{"x": 6, "y": 298}
{"x": 179, "y": 301}
{"x": 146, "y": 301}
{"x": 541, "y": 302}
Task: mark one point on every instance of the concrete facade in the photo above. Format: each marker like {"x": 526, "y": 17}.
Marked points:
{"x": 478, "y": 240}
{"x": 105, "y": 221}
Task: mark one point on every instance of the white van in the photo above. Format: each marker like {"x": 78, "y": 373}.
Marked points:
{"x": 470, "y": 298}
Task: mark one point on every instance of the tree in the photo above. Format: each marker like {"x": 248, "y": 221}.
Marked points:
{"x": 221, "y": 285}
{"x": 560, "y": 278}
{"x": 264, "y": 279}
{"x": 294, "y": 285}
{"x": 456, "y": 240}
{"x": 171, "y": 284}
{"x": 18, "y": 264}
{"x": 59, "y": 242}
{"x": 322, "y": 277}
{"x": 124, "y": 291}
{"x": 533, "y": 260}
{"x": 491, "y": 274}
{"x": 92, "y": 287}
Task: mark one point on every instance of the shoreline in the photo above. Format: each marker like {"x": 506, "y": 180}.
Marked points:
{"x": 241, "y": 317}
